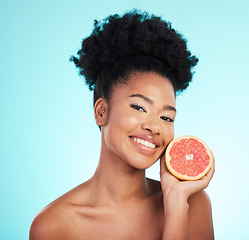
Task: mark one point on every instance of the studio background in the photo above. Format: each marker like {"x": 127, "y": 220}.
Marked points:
{"x": 49, "y": 142}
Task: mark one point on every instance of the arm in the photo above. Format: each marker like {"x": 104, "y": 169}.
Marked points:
{"x": 176, "y": 217}
{"x": 181, "y": 201}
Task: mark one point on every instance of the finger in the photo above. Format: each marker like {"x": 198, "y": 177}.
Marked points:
{"x": 165, "y": 175}
{"x": 207, "y": 178}
{"x": 210, "y": 173}
{"x": 163, "y": 167}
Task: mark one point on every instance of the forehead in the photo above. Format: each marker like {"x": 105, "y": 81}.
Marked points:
{"x": 151, "y": 85}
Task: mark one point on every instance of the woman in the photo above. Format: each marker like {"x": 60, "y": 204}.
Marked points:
{"x": 136, "y": 64}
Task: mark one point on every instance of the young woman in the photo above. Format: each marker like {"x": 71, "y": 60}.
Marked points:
{"x": 135, "y": 63}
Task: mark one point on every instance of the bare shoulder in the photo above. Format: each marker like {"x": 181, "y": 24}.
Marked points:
{"x": 199, "y": 202}
{"x": 200, "y": 217}
{"x": 56, "y": 220}
{"x": 46, "y": 225}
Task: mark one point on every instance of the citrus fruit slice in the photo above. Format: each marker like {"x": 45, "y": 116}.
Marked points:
{"x": 188, "y": 158}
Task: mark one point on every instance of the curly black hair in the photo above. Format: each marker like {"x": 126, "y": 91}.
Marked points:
{"x": 136, "y": 41}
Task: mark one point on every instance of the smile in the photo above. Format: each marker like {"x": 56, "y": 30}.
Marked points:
{"x": 144, "y": 146}
{"x": 144, "y": 142}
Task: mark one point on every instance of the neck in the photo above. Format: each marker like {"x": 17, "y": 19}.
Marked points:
{"x": 115, "y": 182}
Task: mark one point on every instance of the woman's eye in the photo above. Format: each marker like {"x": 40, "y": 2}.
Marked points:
{"x": 167, "y": 119}
{"x": 137, "y": 107}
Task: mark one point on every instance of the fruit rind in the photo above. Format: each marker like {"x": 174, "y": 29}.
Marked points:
{"x": 184, "y": 177}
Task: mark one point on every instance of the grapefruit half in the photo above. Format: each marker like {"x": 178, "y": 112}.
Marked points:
{"x": 188, "y": 158}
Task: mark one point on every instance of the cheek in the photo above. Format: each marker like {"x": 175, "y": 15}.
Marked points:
{"x": 118, "y": 127}
{"x": 129, "y": 122}
{"x": 168, "y": 134}
{"x": 124, "y": 120}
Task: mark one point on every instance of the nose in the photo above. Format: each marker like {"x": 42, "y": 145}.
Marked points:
{"x": 152, "y": 125}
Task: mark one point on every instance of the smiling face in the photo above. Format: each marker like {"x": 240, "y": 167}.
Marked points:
{"x": 140, "y": 120}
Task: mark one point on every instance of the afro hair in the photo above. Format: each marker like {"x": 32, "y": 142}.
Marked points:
{"x": 136, "y": 41}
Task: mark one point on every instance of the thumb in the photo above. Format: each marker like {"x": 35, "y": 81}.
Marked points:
{"x": 163, "y": 167}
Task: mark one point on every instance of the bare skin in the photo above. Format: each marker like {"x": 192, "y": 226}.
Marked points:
{"x": 118, "y": 202}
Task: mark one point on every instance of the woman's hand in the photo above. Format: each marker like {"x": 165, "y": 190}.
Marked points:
{"x": 186, "y": 188}
{"x": 180, "y": 222}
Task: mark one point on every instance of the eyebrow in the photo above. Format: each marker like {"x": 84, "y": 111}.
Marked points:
{"x": 166, "y": 107}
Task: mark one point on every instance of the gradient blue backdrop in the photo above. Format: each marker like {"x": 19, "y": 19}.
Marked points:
{"x": 48, "y": 139}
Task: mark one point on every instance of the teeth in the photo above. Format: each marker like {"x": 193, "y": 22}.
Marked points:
{"x": 145, "y": 143}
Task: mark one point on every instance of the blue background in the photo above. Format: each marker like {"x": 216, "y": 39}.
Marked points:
{"x": 49, "y": 142}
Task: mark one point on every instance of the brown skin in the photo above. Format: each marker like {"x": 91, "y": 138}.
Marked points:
{"x": 118, "y": 202}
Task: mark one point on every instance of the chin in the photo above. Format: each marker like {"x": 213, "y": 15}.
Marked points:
{"x": 143, "y": 164}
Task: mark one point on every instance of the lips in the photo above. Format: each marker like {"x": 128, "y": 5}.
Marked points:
{"x": 144, "y": 143}
{"x": 147, "y": 138}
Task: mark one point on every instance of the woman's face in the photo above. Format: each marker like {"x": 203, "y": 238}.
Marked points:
{"x": 140, "y": 121}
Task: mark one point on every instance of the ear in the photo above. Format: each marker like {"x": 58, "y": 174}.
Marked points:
{"x": 100, "y": 111}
